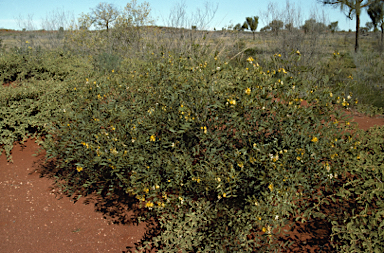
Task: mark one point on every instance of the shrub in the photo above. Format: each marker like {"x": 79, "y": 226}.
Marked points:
{"x": 26, "y": 108}
{"x": 33, "y": 63}
{"x": 216, "y": 154}
{"x": 359, "y": 227}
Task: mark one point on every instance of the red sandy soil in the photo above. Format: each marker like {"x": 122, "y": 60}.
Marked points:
{"x": 35, "y": 217}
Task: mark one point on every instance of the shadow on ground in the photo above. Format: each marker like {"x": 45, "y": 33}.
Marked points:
{"x": 117, "y": 207}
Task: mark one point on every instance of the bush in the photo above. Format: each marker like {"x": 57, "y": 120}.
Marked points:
{"x": 217, "y": 155}
{"x": 359, "y": 228}
{"x": 27, "y": 107}
{"x": 33, "y": 63}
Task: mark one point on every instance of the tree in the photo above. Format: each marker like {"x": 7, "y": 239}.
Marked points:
{"x": 265, "y": 29}
{"x": 353, "y": 8}
{"x": 311, "y": 26}
{"x": 85, "y": 21}
{"x": 135, "y": 15}
{"x": 239, "y": 27}
{"x": 104, "y": 15}
{"x": 369, "y": 25}
{"x": 251, "y": 24}
{"x": 276, "y": 25}
{"x": 289, "y": 27}
{"x": 376, "y": 13}
{"x": 334, "y": 26}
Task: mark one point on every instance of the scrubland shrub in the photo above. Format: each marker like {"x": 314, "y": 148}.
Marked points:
{"x": 40, "y": 79}
{"x": 218, "y": 155}
{"x": 34, "y": 63}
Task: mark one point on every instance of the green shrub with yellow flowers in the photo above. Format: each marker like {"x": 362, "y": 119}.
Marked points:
{"x": 221, "y": 157}
{"x": 218, "y": 155}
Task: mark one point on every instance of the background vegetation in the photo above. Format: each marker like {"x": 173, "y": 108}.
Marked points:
{"x": 221, "y": 137}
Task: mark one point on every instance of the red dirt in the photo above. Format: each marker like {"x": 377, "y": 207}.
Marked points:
{"x": 35, "y": 217}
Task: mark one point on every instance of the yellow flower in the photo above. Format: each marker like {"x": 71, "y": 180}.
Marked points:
{"x": 224, "y": 195}
{"x": 270, "y": 187}
{"x": 114, "y": 151}
{"x": 327, "y": 167}
{"x": 146, "y": 190}
{"x": 248, "y": 91}
{"x": 279, "y": 55}
{"x": 113, "y": 70}
{"x": 250, "y": 59}
{"x": 27, "y": 42}
{"x": 264, "y": 229}
{"x": 153, "y": 138}
{"x": 314, "y": 139}
{"x": 78, "y": 168}
{"x": 232, "y": 102}
{"x": 149, "y": 204}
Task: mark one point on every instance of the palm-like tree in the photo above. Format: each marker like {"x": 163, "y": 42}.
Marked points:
{"x": 354, "y": 8}
{"x": 251, "y": 24}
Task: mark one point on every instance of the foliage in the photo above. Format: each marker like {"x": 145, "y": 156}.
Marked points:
{"x": 29, "y": 62}
{"x": 222, "y": 150}
{"x": 237, "y": 27}
{"x": 376, "y": 13}
{"x": 135, "y": 15}
{"x": 311, "y": 26}
{"x": 360, "y": 228}
{"x": 27, "y": 108}
{"x": 274, "y": 26}
{"x": 334, "y": 26}
{"x": 104, "y": 15}
{"x": 369, "y": 25}
{"x": 251, "y": 24}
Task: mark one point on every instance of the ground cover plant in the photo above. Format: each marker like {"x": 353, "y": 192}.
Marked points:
{"x": 220, "y": 147}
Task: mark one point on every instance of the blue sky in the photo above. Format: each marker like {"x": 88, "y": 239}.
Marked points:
{"x": 229, "y": 11}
